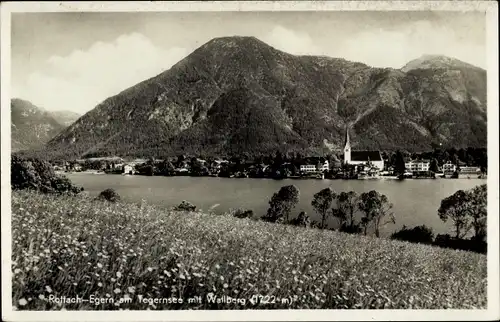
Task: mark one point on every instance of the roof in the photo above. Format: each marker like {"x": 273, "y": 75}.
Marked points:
{"x": 418, "y": 161}
{"x": 365, "y": 155}
{"x": 105, "y": 159}
{"x": 315, "y": 160}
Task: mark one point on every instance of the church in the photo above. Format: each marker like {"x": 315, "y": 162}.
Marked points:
{"x": 361, "y": 157}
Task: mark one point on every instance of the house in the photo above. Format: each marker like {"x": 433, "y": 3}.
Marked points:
{"x": 217, "y": 165}
{"x": 128, "y": 169}
{"x": 449, "y": 168}
{"x": 324, "y": 167}
{"x": 201, "y": 161}
{"x": 417, "y": 166}
{"x": 315, "y": 164}
{"x": 138, "y": 161}
{"x": 308, "y": 168}
{"x": 116, "y": 166}
{"x": 470, "y": 170}
{"x": 374, "y": 158}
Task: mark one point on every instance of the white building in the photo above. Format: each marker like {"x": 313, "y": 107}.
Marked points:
{"x": 374, "y": 158}
{"x": 128, "y": 169}
{"x": 324, "y": 167}
{"x": 417, "y": 166}
{"x": 308, "y": 168}
{"x": 470, "y": 170}
{"x": 320, "y": 167}
{"x": 449, "y": 168}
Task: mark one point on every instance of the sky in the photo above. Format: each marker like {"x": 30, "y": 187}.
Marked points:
{"x": 74, "y": 61}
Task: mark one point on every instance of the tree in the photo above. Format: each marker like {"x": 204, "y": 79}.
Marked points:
{"x": 243, "y": 213}
{"x": 347, "y": 204}
{"x": 477, "y": 211}
{"x": 282, "y": 203}
{"x": 445, "y": 156}
{"x": 399, "y": 163}
{"x": 37, "y": 174}
{"x": 322, "y": 202}
{"x": 197, "y": 168}
{"x": 185, "y": 206}
{"x": 420, "y": 234}
{"x": 109, "y": 195}
{"x": 376, "y": 206}
{"x": 145, "y": 168}
{"x": 166, "y": 168}
{"x": 302, "y": 220}
{"x": 180, "y": 160}
{"x": 434, "y": 165}
{"x": 278, "y": 160}
{"x": 455, "y": 207}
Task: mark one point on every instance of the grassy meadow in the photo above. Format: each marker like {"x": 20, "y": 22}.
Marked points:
{"x": 125, "y": 255}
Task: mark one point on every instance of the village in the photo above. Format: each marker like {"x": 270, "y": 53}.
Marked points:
{"x": 359, "y": 165}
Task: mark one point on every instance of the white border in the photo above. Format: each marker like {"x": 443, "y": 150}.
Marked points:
{"x": 493, "y": 311}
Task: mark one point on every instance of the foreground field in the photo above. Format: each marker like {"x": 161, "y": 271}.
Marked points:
{"x": 124, "y": 256}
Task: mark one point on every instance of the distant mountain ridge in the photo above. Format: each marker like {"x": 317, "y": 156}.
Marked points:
{"x": 65, "y": 118}
{"x": 436, "y": 61}
{"x": 238, "y": 95}
{"x": 32, "y": 126}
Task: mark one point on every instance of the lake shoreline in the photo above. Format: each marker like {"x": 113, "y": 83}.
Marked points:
{"x": 95, "y": 172}
{"x": 223, "y": 194}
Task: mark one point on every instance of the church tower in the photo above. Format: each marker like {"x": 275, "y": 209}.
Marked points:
{"x": 347, "y": 147}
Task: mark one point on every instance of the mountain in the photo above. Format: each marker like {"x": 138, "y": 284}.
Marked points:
{"x": 237, "y": 94}
{"x": 65, "y": 118}
{"x": 474, "y": 78}
{"x": 437, "y": 62}
{"x": 31, "y": 126}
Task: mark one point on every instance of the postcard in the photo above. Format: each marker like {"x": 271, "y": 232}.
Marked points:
{"x": 233, "y": 161}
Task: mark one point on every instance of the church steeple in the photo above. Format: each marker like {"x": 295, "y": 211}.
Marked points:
{"x": 347, "y": 146}
{"x": 347, "y": 141}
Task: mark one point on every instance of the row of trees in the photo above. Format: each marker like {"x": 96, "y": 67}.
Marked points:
{"x": 343, "y": 206}
{"x": 467, "y": 212}
{"x": 465, "y": 209}
{"x": 38, "y": 175}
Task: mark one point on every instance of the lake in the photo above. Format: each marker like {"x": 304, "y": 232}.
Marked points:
{"x": 415, "y": 201}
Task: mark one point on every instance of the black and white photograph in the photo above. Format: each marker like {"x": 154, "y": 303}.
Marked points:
{"x": 320, "y": 161}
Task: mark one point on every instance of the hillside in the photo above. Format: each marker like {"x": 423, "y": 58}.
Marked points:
{"x": 155, "y": 253}
{"x": 65, "y": 118}
{"x": 237, "y": 94}
{"x": 31, "y": 126}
